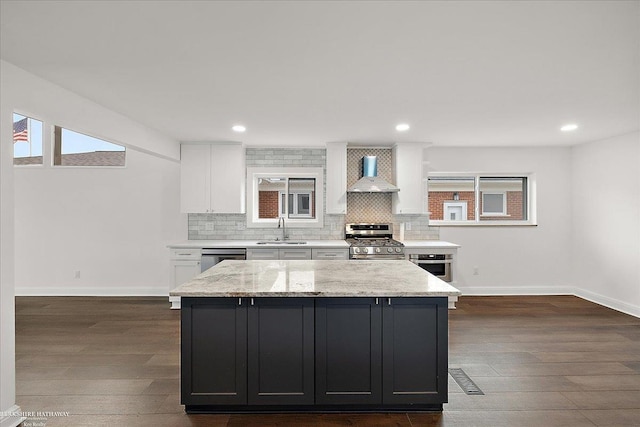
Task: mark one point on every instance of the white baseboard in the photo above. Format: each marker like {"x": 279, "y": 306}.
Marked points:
{"x": 612, "y": 303}
{"x": 516, "y": 290}
{"x": 11, "y": 417}
{"x": 103, "y": 291}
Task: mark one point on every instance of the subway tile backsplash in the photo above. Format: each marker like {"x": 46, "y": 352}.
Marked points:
{"x": 233, "y": 226}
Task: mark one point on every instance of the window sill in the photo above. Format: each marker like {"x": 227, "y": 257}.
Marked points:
{"x": 482, "y": 224}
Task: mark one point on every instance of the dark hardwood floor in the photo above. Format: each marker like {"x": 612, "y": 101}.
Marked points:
{"x": 541, "y": 361}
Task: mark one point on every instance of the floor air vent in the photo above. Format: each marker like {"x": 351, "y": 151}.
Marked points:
{"x": 465, "y": 383}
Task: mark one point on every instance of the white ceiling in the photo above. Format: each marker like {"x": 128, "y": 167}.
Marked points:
{"x": 303, "y": 73}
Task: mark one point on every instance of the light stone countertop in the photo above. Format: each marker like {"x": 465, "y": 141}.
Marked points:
{"x": 199, "y": 244}
{"x": 318, "y": 278}
{"x": 316, "y": 244}
{"x": 429, "y": 244}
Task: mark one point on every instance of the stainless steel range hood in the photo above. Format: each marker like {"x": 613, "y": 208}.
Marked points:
{"x": 370, "y": 181}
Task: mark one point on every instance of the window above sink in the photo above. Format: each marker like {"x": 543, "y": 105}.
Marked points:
{"x": 295, "y": 194}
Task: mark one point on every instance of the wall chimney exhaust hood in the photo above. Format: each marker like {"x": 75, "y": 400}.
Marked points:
{"x": 370, "y": 181}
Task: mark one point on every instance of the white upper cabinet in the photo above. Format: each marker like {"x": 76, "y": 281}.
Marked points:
{"x": 336, "y": 178}
{"x": 412, "y": 197}
{"x": 212, "y": 178}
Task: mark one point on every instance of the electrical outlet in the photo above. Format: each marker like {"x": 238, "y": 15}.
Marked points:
{"x": 476, "y": 270}
{"x": 208, "y": 226}
{"x": 239, "y": 226}
{"x": 77, "y": 274}
{"x": 407, "y": 226}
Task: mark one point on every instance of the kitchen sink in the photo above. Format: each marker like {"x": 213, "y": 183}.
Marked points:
{"x": 282, "y": 242}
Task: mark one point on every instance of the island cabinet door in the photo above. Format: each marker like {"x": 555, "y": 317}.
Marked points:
{"x": 348, "y": 351}
{"x": 280, "y": 351}
{"x": 214, "y": 351}
{"x": 414, "y": 341}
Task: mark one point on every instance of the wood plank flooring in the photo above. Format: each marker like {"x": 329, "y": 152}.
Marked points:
{"x": 541, "y": 361}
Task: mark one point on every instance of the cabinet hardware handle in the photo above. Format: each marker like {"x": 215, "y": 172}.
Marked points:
{"x": 376, "y": 301}
{"x": 239, "y": 301}
{"x": 251, "y": 301}
{"x": 389, "y": 301}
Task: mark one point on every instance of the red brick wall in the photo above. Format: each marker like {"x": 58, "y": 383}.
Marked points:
{"x": 268, "y": 204}
{"x": 437, "y": 199}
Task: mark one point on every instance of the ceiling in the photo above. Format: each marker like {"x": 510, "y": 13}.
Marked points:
{"x": 304, "y": 73}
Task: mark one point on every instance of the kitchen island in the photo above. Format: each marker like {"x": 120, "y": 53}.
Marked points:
{"x": 314, "y": 336}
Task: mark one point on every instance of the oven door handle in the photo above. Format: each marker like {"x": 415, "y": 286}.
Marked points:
{"x": 431, "y": 261}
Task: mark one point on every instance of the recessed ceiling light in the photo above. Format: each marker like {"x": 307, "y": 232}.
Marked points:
{"x": 402, "y": 127}
{"x": 569, "y": 127}
{"x": 239, "y": 128}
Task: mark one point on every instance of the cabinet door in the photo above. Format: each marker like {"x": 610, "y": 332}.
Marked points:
{"x": 414, "y": 350}
{"x": 336, "y": 193}
{"x": 348, "y": 351}
{"x": 183, "y": 271}
{"x": 295, "y": 254}
{"x": 195, "y": 178}
{"x": 227, "y": 178}
{"x": 214, "y": 351}
{"x": 280, "y": 351}
{"x": 262, "y": 254}
{"x": 412, "y": 197}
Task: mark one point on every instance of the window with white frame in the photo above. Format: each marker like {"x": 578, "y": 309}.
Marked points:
{"x": 27, "y": 141}
{"x": 72, "y": 148}
{"x": 299, "y": 203}
{"x": 481, "y": 199}
{"x": 494, "y": 203}
{"x": 295, "y": 194}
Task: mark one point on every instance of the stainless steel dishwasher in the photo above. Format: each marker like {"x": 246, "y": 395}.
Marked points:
{"x": 212, "y": 256}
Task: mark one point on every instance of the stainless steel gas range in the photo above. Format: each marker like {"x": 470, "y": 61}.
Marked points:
{"x": 373, "y": 241}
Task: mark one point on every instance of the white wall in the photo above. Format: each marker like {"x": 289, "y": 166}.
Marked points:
{"x": 606, "y": 222}
{"x": 514, "y": 259}
{"x": 111, "y": 224}
{"x": 7, "y": 313}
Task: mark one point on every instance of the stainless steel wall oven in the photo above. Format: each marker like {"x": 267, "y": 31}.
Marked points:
{"x": 437, "y": 264}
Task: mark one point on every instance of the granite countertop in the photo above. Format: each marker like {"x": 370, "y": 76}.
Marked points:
{"x": 318, "y": 278}
{"x": 199, "y": 244}
{"x": 429, "y": 244}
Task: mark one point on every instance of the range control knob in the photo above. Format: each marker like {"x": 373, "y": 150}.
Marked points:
{"x": 389, "y": 249}
{"x": 356, "y": 250}
{"x": 377, "y": 250}
{"x": 365, "y": 250}
{"x": 398, "y": 250}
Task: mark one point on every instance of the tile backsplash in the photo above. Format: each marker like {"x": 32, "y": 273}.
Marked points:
{"x": 360, "y": 207}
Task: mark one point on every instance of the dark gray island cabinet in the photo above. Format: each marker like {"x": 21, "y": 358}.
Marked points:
{"x": 314, "y": 354}
{"x": 292, "y": 336}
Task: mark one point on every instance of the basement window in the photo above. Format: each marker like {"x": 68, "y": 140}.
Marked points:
{"x": 27, "y": 141}
{"x": 76, "y": 149}
{"x": 481, "y": 199}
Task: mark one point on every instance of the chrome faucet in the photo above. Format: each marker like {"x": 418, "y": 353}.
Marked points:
{"x": 281, "y": 224}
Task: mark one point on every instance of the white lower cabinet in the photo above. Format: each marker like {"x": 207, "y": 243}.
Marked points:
{"x": 185, "y": 265}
